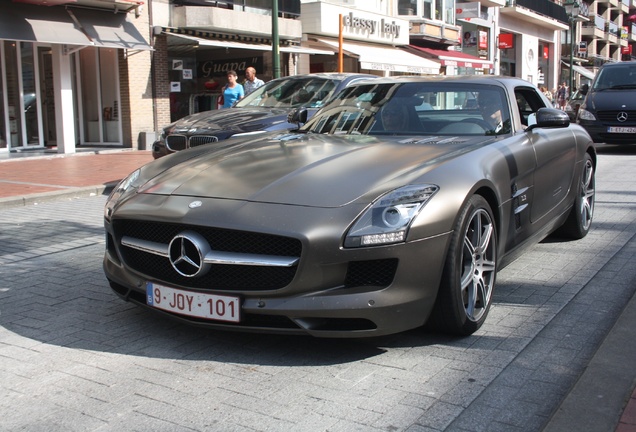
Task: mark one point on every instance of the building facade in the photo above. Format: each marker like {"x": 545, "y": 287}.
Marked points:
{"x": 113, "y": 72}
{"x": 73, "y": 75}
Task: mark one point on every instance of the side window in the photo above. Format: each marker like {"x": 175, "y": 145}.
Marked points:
{"x": 528, "y": 102}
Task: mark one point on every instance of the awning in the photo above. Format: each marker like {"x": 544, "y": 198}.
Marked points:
{"x": 58, "y": 25}
{"x": 454, "y": 58}
{"x": 251, "y": 46}
{"x": 581, "y": 70}
{"x": 378, "y": 57}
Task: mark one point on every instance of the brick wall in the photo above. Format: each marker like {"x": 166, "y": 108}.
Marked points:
{"x": 136, "y": 87}
{"x": 162, "y": 81}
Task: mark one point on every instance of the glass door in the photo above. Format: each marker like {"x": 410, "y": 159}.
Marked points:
{"x": 47, "y": 96}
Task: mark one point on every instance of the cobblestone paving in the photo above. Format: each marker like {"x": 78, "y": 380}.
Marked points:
{"x": 75, "y": 357}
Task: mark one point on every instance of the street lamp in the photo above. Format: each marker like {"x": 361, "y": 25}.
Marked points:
{"x": 572, "y": 9}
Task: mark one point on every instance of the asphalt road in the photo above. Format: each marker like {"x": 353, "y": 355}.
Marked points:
{"x": 74, "y": 357}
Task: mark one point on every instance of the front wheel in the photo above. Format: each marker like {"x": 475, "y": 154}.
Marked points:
{"x": 468, "y": 280}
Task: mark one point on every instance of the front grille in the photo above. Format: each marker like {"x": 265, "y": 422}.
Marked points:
{"x": 611, "y": 117}
{"x": 220, "y": 277}
{"x": 371, "y": 273}
{"x": 176, "y": 142}
{"x": 198, "y": 140}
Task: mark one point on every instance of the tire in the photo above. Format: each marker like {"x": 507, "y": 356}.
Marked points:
{"x": 468, "y": 279}
{"x": 579, "y": 220}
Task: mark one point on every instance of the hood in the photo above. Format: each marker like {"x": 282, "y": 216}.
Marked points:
{"x": 623, "y": 99}
{"x": 236, "y": 120}
{"x": 306, "y": 170}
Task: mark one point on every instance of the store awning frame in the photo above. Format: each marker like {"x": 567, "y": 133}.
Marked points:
{"x": 386, "y": 58}
{"x": 69, "y": 26}
{"x": 453, "y": 58}
{"x": 250, "y": 46}
{"x": 584, "y": 72}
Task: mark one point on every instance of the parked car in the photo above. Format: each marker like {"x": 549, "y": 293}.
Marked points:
{"x": 574, "y": 102}
{"x": 370, "y": 219}
{"x": 263, "y": 110}
{"x": 608, "y": 112}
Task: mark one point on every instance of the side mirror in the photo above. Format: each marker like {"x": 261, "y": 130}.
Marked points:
{"x": 297, "y": 115}
{"x": 548, "y": 118}
{"x": 584, "y": 89}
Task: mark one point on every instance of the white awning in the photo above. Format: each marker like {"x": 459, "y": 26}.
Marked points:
{"x": 80, "y": 27}
{"x": 581, "y": 70}
{"x": 387, "y": 58}
{"x": 251, "y": 46}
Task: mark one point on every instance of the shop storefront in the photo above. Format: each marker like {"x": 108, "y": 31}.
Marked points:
{"x": 197, "y": 66}
{"x": 371, "y": 43}
{"x": 60, "y": 73}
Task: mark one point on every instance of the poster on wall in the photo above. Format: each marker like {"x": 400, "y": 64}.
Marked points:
{"x": 186, "y": 74}
{"x": 175, "y": 87}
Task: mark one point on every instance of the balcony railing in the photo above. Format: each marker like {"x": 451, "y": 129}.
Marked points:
{"x": 596, "y": 21}
{"x": 285, "y": 7}
{"x": 543, "y": 7}
{"x": 612, "y": 28}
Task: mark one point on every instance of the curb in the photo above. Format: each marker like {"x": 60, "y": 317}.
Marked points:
{"x": 68, "y": 194}
{"x": 598, "y": 398}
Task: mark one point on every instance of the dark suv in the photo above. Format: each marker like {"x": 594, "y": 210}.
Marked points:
{"x": 265, "y": 109}
{"x": 608, "y": 112}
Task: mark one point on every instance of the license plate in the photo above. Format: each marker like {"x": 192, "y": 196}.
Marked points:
{"x": 621, "y": 129}
{"x": 193, "y": 304}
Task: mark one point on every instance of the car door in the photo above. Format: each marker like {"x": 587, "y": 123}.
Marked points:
{"x": 555, "y": 150}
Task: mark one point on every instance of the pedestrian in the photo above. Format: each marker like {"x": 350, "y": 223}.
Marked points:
{"x": 232, "y": 91}
{"x": 562, "y": 95}
{"x": 251, "y": 82}
{"x": 548, "y": 94}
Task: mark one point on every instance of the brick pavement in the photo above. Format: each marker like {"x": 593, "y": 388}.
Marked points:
{"x": 75, "y": 357}
{"x": 80, "y": 173}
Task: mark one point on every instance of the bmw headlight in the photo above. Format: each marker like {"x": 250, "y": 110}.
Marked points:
{"x": 584, "y": 114}
{"x": 130, "y": 183}
{"x": 388, "y": 219}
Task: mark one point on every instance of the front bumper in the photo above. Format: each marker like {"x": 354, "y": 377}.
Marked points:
{"x": 599, "y": 133}
{"x": 322, "y": 298}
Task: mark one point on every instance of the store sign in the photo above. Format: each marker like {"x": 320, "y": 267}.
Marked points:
{"x": 582, "y": 49}
{"x": 372, "y": 27}
{"x": 218, "y": 67}
{"x": 506, "y": 41}
{"x": 468, "y": 10}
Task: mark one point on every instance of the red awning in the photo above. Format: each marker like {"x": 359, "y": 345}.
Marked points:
{"x": 454, "y": 58}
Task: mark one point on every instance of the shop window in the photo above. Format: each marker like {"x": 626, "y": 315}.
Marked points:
{"x": 13, "y": 93}
{"x": 100, "y": 94}
{"x": 3, "y": 122}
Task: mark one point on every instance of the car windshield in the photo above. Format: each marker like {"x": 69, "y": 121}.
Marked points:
{"x": 419, "y": 108}
{"x": 621, "y": 77}
{"x": 310, "y": 92}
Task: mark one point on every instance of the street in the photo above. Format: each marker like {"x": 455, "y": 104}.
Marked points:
{"x": 74, "y": 357}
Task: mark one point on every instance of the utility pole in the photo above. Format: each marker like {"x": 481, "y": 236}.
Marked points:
{"x": 275, "y": 47}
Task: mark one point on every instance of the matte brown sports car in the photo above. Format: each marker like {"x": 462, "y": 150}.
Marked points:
{"x": 393, "y": 207}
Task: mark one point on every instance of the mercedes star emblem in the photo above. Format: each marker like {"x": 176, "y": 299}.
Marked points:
{"x": 187, "y": 252}
{"x": 621, "y": 116}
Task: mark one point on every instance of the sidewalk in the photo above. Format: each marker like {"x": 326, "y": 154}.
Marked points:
{"x": 29, "y": 178}
{"x": 594, "y": 403}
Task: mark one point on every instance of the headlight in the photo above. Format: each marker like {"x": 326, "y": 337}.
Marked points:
{"x": 128, "y": 184}
{"x": 584, "y": 114}
{"x": 389, "y": 218}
